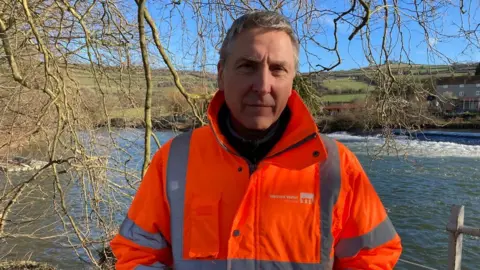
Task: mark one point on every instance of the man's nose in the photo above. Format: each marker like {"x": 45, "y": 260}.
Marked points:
{"x": 262, "y": 81}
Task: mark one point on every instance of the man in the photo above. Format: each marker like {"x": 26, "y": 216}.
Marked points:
{"x": 259, "y": 188}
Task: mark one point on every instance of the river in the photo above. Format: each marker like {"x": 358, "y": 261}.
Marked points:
{"x": 418, "y": 184}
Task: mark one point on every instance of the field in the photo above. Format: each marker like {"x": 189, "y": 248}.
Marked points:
{"x": 343, "y": 98}
{"x": 416, "y": 70}
{"x": 162, "y": 80}
{"x": 346, "y": 84}
{"x": 349, "y": 85}
{"x": 125, "y": 92}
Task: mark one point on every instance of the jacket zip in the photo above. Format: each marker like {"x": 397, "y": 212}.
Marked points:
{"x": 251, "y": 167}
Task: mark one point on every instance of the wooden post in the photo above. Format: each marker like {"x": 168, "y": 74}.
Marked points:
{"x": 456, "y": 238}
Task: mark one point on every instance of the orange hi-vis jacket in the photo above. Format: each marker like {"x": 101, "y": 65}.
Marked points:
{"x": 307, "y": 205}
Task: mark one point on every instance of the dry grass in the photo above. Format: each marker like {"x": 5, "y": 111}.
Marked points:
{"x": 24, "y": 265}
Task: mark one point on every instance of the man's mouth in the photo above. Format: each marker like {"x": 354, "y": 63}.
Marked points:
{"x": 259, "y": 105}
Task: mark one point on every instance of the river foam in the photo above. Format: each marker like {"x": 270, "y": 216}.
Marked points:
{"x": 411, "y": 147}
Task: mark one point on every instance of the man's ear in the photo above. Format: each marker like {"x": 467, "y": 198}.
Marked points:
{"x": 220, "y": 68}
{"x": 293, "y": 85}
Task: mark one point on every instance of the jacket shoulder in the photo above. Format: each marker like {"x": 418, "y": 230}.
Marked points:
{"x": 343, "y": 150}
{"x": 185, "y": 138}
{"x": 349, "y": 163}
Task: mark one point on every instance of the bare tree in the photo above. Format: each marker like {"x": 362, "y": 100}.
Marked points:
{"x": 67, "y": 68}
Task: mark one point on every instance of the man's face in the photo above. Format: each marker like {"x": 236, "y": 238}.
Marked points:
{"x": 257, "y": 77}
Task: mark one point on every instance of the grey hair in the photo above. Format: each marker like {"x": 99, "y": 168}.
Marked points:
{"x": 258, "y": 19}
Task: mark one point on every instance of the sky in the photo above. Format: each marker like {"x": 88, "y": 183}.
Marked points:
{"x": 179, "y": 34}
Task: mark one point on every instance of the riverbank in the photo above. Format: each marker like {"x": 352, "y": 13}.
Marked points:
{"x": 325, "y": 124}
{"x": 24, "y": 265}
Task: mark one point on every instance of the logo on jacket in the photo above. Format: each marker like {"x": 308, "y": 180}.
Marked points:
{"x": 306, "y": 198}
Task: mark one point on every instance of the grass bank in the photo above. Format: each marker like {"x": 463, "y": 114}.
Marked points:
{"x": 24, "y": 265}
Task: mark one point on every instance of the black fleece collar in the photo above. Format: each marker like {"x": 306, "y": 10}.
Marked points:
{"x": 253, "y": 150}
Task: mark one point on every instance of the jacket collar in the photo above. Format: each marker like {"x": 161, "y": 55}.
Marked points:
{"x": 300, "y": 144}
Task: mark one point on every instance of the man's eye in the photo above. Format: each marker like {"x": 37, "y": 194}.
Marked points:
{"x": 246, "y": 66}
{"x": 278, "y": 70}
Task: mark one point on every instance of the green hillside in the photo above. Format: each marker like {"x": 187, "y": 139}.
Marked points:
{"x": 343, "y": 98}
{"x": 346, "y": 84}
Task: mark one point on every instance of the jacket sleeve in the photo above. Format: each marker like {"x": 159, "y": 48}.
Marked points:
{"x": 143, "y": 241}
{"x": 368, "y": 239}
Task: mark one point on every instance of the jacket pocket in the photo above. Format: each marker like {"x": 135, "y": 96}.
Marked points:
{"x": 204, "y": 228}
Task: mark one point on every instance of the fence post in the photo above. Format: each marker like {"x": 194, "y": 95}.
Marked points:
{"x": 456, "y": 238}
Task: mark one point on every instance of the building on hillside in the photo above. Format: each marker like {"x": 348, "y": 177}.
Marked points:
{"x": 459, "y": 94}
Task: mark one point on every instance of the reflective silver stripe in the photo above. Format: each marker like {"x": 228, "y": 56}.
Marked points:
{"x": 155, "y": 266}
{"x": 245, "y": 264}
{"x": 139, "y": 236}
{"x": 349, "y": 247}
{"x": 177, "y": 165}
{"x": 330, "y": 183}
{"x": 271, "y": 265}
